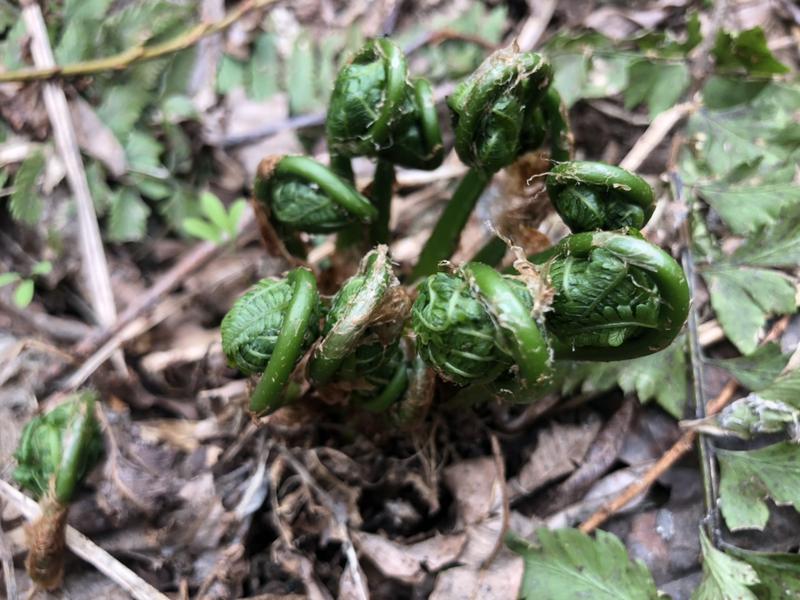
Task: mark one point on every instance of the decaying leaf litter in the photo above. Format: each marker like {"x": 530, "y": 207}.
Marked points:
{"x": 198, "y": 501}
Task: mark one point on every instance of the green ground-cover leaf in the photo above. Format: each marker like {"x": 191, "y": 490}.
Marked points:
{"x": 659, "y": 85}
{"x": 746, "y": 52}
{"x": 724, "y": 577}
{"x": 25, "y": 202}
{"x": 749, "y": 477}
{"x": 743, "y": 299}
{"x": 568, "y": 564}
{"x": 758, "y": 370}
{"x": 779, "y": 574}
{"x": 127, "y": 219}
{"x": 660, "y": 377}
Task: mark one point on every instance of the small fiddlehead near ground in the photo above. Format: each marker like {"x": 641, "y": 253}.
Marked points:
{"x": 55, "y": 452}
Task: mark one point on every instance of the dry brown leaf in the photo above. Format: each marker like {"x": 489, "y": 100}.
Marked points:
{"x": 500, "y": 581}
{"x": 409, "y": 562}
{"x": 559, "y": 450}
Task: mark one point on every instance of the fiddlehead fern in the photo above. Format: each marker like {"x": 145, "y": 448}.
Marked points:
{"x": 269, "y": 329}
{"x": 615, "y": 297}
{"x": 504, "y": 109}
{"x": 473, "y": 325}
{"x": 492, "y": 109}
{"x": 361, "y": 343}
{"x": 592, "y": 195}
{"x": 302, "y": 195}
{"x": 55, "y": 452}
{"x": 375, "y": 111}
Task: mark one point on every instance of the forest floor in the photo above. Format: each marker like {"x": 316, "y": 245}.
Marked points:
{"x": 318, "y": 500}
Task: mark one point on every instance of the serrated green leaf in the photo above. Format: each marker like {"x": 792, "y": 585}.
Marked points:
{"x": 569, "y": 564}
{"x": 127, "y": 219}
{"x": 748, "y": 477}
{"x": 659, "y": 85}
{"x": 785, "y": 388}
{"x": 122, "y": 106}
{"x": 746, "y": 51}
{"x": 724, "y": 577}
{"x": 660, "y": 377}
{"x": 230, "y": 74}
{"x": 722, "y": 140}
{"x": 726, "y": 92}
{"x": 23, "y": 295}
{"x": 587, "y": 66}
{"x": 774, "y": 246}
{"x": 779, "y": 574}
{"x": 214, "y": 210}
{"x": 202, "y": 229}
{"x": 758, "y": 370}
{"x": 748, "y": 208}
{"x": 743, "y": 298}
{"x": 143, "y": 151}
{"x": 8, "y": 278}
{"x": 25, "y": 203}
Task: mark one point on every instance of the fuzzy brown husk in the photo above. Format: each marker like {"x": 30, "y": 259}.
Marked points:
{"x": 46, "y": 543}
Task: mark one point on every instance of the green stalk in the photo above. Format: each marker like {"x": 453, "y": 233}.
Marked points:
{"x": 268, "y": 395}
{"x": 382, "y": 187}
{"x": 444, "y": 238}
{"x": 392, "y": 392}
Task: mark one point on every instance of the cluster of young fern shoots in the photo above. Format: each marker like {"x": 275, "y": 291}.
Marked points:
{"x": 603, "y": 293}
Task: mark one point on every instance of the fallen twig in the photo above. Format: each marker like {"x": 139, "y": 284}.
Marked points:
{"x": 137, "y": 53}
{"x": 86, "y": 549}
{"x": 95, "y": 266}
{"x": 678, "y": 450}
{"x": 656, "y": 133}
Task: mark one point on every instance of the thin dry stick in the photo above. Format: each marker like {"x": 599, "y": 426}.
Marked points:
{"x": 656, "y": 133}
{"x": 533, "y": 28}
{"x": 86, "y": 549}
{"x": 95, "y": 267}
{"x": 137, "y": 53}
{"x": 678, "y": 450}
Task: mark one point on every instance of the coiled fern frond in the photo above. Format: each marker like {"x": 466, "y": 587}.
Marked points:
{"x": 376, "y": 111}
